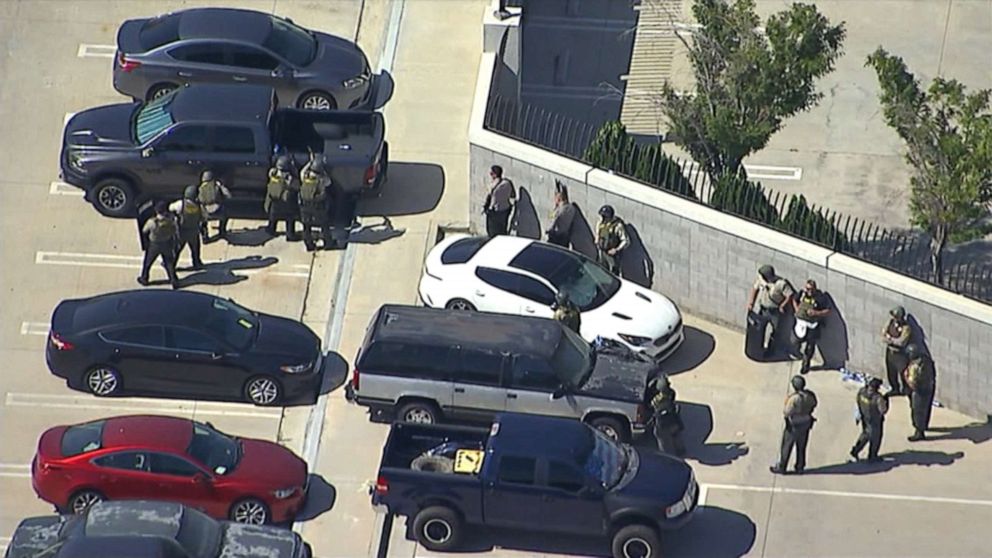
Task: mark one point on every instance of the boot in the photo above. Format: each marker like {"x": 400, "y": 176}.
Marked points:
{"x": 143, "y": 281}
{"x": 917, "y": 436}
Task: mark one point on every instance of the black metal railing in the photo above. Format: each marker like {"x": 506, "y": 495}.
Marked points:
{"x": 905, "y": 252}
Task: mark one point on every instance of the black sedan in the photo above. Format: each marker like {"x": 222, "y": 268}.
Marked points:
{"x": 143, "y": 529}
{"x": 189, "y": 344}
{"x": 308, "y": 69}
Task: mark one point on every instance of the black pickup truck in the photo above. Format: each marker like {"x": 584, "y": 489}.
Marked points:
{"x": 123, "y": 154}
{"x": 531, "y": 472}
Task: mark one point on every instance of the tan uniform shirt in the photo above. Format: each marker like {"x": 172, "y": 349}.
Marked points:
{"x": 772, "y": 294}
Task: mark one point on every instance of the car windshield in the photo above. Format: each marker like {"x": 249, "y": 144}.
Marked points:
{"x": 199, "y": 535}
{"x": 291, "y": 42}
{"x": 607, "y": 460}
{"x": 572, "y": 359}
{"x": 588, "y": 284}
{"x": 234, "y": 324}
{"x": 218, "y": 452}
{"x": 153, "y": 118}
{"x": 82, "y": 438}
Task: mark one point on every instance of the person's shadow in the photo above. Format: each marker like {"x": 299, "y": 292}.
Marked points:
{"x": 374, "y": 234}
{"x": 222, "y": 273}
{"x": 321, "y": 496}
{"x": 889, "y": 461}
{"x": 976, "y": 432}
{"x": 698, "y": 421}
{"x": 833, "y": 344}
{"x": 525, "y": 221}
{"x": 251, "y": 237}
{"x": 583, "y": 238}
{"x": 635, "y": 263}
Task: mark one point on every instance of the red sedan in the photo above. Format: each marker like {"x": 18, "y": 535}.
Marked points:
{"x": 165, "y": 458}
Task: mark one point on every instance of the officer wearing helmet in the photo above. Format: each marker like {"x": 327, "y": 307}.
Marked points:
{"x": 896, "y": 335}
{"x": 920, "y": 379}
{"x": 567, "y": 312}
{"x": 212, "y": 194}
{"x": 314, "y": 202}
{"x": 798, "y": 413}
{"x": 162, "y": 232}
{"x": 872, "y": 406}
{"x": 668, "y": 424}
{"x": 281, "y": 195}
{"x": 192, "y": 217}
{"x": 611, "y": 239}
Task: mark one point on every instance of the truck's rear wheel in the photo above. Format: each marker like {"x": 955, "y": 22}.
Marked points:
{"x": 612, "y": 427}
{"x": 438, "y": 528}
{"x": 420, "y": 412}
{"x": 636, "y": 541}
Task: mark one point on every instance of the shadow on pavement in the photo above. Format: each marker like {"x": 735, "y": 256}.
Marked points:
{"x": 374, "y": 234}
{"x": 412, "y": 188}
{"x": 698, "y": 421}
{"x": 889, "y": 461}
{"x": 335, "y": 372}
{"x": 697, "y": 347}
{"x": 321, "y": 496}
{"x": 222, "y": 273}
{"x": 485, "y": 539}
{"x": 384, "y": 87}
{"x": 248, "y": 237}
{"x": 976, "y": 432}
{"x": 714, "y": 533}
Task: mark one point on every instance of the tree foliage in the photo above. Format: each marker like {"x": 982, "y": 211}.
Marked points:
{"x": 804, "y": 221}
{"x": 748, "y": 80}
{"x": 740, "y": 196}
{"x": 948, "y": 136}
{"x": 613, "y": 149}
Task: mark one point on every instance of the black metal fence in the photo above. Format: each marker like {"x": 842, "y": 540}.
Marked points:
{"x": 905, "y": 252}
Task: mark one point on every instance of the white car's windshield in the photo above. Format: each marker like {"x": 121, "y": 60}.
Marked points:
{"x": 587, "y": 283}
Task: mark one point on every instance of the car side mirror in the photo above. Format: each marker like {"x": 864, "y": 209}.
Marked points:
{"x": 558, "y": 393}
{"x": 201, "y": 478}
{"x": 210, "y": 424}
{"x": 147, "y": 152}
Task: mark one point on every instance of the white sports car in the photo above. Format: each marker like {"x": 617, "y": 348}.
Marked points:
{"x": 514, "y": 275}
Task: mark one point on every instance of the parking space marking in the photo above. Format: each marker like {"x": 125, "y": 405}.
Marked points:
{"x": 96, "y": 51}
{"x": 137, "y": 404}
{"x": 15, "y": 470}
{"x": 759, "y": 172}
{"x": 122, "y": 261}
{"x": 867, "y": 495}
{"x": 59, "y": 188}
{"x": 34, "y": 328}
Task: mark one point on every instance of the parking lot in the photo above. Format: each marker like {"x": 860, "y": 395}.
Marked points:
{"x": 932, "y": 498}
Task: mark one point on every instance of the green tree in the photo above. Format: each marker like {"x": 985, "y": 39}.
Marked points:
{"x": 748, "y": 80}
{"x": 802, "y": 220}
{"x": 948, "y": 136}
{"x": 613, "y": 149}
{"x": 740, "y": 196}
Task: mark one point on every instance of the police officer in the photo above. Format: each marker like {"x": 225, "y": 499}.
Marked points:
{"x": 772, "y": 294}
{"x": 567, "y": 312}
{"x": 499, "y": 202}
{"x": 313, "y": 201}
{"x": 281, "y": 195}
{"x": 562, "y": 217}
{"x": 212, "y": 195}
{"x": 611, "y": 239}
{"x": 162, "y": 232}
{"x": 810, "y": 307}
{"x": 896, "y": 336}
{"x": 798, "y": 412}
{"x": 920, "y": 380}
{"x": 872, "y": 407}
{"x": 192, "y": 218}
{"x": 668, "y": 424}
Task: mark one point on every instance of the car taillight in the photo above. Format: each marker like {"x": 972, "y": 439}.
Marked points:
{"x": 381, "y": 486}
{"x": 354, "y": 380}
{"x": 126, "y": 64}
{"x": 49, "y": 467}
{"x": 370, "y": 174}
{"x": 642, "y": 414}
{"x": 59, "y": 343}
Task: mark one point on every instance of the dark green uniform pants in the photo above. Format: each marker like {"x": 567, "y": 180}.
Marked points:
{"x": 920, "y": 405}
{"x": 895, "y": 363}
{"x": 794, "y": 436}
{"x": 283, "y": 211}
{"x": 166, "y": 251}
{"x": 667, "y": 433}
{"x": 191, "y": 239}
{"x": 871, "y": 435}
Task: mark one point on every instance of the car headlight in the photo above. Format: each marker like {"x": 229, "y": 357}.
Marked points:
{"x": 354, "y": 82}
{"x": 76, "y": 161}
{"x": 283, "y": 493}
{"x": 635, "y": 340}
{"x": 675, "y": 510}
{"x": 295, "y": 369}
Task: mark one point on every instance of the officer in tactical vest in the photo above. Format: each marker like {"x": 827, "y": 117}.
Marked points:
{"x": 920, "y": 380}
{"x": 567, "y": 312}
{"x": 810, "y": 307}
{"x": 896, "y": 336}
{"x": 192, "y": 218}
{"x": 162, "y": 232}
{"x": 281, "y": 195}
{"x": 872, "y": 407}
{"x": 668, "y": 424}
{"x": 798, "y": 413}
{"x": 611, "y": 239}
{"x": 313, "y": 200}
{"x": 212, "y": 195}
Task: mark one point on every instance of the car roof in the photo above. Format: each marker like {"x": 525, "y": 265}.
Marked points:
{"x": 121, "y": 547}
{"x": 537, "y": 337}
{"x": 551, "y": 436}
{"x": 500, "y": 250}
{"x": 135, "y": 517}
{"x": 225, "y": 103}
{"x": 147, "y": 431}
{"x": 159, "y": 306}
{"x": 225, "y": 23}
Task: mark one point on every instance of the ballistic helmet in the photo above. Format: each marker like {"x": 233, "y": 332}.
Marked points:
{"x": 875, "y": 382}
{"x": 318, "y": 165}
{"x": 191, "y": 192}
{"x": 898, "y": 313}
{"x": 606, "y": 212}
{"x": 207, "y": 176}
{"x": 799, "y": 383}
{"x": 282, "y": 163}
{"x": 561, "y": 299}
{"x": 766, "y": 272}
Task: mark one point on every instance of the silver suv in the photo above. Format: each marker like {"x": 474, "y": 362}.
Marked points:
{"x": 427, "y": 365}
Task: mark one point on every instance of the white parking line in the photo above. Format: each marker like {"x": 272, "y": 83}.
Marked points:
{"x": 765, "y": 172}
{"x": 62, "y": 189}
{"x": 136, "y": 404}
{"x": 122, "y": 261}
{"x": 867, "y": 495}
{"x": 34, "y": 328}
{"x": 68, "y": 117}
{"x": 15, "y": 470}
{"x": 96, "y": 51}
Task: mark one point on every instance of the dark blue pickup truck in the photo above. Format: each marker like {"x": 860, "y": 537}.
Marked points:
{"x": 531, "y": 472}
